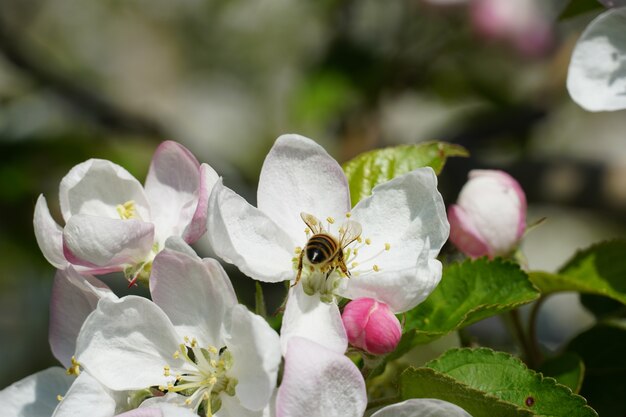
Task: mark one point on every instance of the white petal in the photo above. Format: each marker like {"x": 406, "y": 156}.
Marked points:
{"x": 256, "y": 356}
{"x": 143, "y": 412}
{"x": 298, "y": 176}
{"x": 35, "y": 395}
{"x": 125, "y": 344}
{"x": 319, "y": 382}
{"x": 597, "y": 72}
{"x": 422, "y": 408}
{"x": 101, "y": 242}
{"x": 246, "y": 237}
{"x": 307, "y": 316}
{"x": 231, "y": 407}
{"x": 87, "y": 397}
{"x": 192, "y": 294}
{"x": 176, "y": 243}
{"x": 172, "y": 187}
{"x": 408, "y": 214}
{"x": 170, "y": 405}
{"x": 197, "y": 226}
{"x": 96, "y": 187}
{"x": 49, "y": 234}
{"x": 73, "y": 298}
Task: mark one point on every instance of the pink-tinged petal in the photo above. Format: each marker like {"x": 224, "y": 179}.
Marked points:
{"x": 231, "y": 407}
{"x": 100, "y": 242}
{"x": 371, "y": 326}
{"x": 73, "y": 298}
{"x": 49, "y": 234}
{"x": 173, "y": 187}
{"x": 246, "y": 237}
{"x": 87, "y": 397}
{"x": 319, "y": 382}
{"x": 464, "y": 235}
{"x": 125, "y": 344}
{"x": 422, "y": 407}
{"x": 194, "y": 295}
{"x": 96, "y": 187}
{"x": 197, "y": 226}
{"x": 307, "y": 316}
{"x": 405, "y": 223}
{"x": 35, "y": 395}
{"x": 169, "y": 405}
{"x": 255, "y": 347}
{"x": 298, "y": 176}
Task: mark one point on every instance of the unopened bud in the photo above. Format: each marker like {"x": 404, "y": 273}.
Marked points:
{"x": 371, "y": 326}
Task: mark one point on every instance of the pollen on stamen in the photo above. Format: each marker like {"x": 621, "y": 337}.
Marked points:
{"x": 354, "y": 264}
{"x": 74, "y": 369}
{"x": 212, "y": 349}
{"x": 376, "y": 268}
{"x": 348, "y": 214}
{"x": 298, "y": 250}
{"x": 59, "y": 398}
{"x": 166, "y": 370}
{"x": 176, "y": 355}
{"x": 330, "y": 220}
{"x": 341, "y": 230}
{"x": 194, "y": 342}
{"x": 368, "y": 241}
{"x": 359, "y": 239}
{"x": 387, "y": 246}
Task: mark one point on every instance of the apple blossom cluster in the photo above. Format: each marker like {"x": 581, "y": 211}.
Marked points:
{"x": 192, "y": 349}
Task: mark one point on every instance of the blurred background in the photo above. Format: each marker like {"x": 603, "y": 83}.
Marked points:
{"x": 112, "y": 79}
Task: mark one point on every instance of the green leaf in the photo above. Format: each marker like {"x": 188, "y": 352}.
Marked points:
{"x": 602, "y": 307}
{"x": 578, "y": 7}
{"x": 428, "y": 383}
{"x": 259, "y": 301}
{"x": 468, "y": 292}
{"x": 507, "y": 378}
{"x": 600, "y": 270}
{"x": 381, "y": 165}
{"x": 568, "y": 369}
{"x": 603, "y": 350}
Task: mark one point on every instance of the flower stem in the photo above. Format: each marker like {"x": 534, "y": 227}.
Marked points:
{"x": 532, "y": 330}
{"x": 522, "y": 340}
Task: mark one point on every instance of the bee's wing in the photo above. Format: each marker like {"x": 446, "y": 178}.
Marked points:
{"x": 313, "y": 222}
{"x": 349, "y": 232}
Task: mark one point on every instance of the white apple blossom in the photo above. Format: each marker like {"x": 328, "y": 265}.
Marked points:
{"x": 113, "y": 224}
{"x": 403, "y": 226}
{"x": 319, "y": 382}
{"x": 194, "y": 341}
{"x": 596, "y": 78}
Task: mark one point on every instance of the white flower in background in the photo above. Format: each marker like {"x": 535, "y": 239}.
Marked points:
{"x": 596, "y": 78}
{"x": 194, "y": 341}
{"x": 113, "y": 224}
{"x": 319, "y": 382}
{"x": 403, "y": 226}
{"x": 489, "y": 218}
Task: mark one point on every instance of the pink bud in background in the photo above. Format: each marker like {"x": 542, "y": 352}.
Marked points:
{"x": 371, "y": 326}
{"x": 490, "y": 215}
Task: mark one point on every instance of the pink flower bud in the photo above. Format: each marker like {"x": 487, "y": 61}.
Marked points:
{"x": 371, "y": 326}
{"x": 490, "y": 215}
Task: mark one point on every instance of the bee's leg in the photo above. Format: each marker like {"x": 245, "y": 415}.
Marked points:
{"x": 342, "y": 265}
{"x": 299, "y": 269}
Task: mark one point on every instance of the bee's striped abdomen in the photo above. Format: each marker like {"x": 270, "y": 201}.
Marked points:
{"x": 321, "y": 248}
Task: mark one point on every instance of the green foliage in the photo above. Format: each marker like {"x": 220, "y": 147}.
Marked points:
{"x": 468, "y": 292}
{"x": 578, "y": 7}
{"x": 259, "y": 301}
{"x": 603, "y": 349}
{"x": 568, "y": 369}
{"x": 599, "y": 269}
{"x": 378, "y": 166}
{"x": 507, "y": 378}
{"x": 428, "y": 383}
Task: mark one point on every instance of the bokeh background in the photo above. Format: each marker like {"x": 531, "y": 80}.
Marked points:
{"x": 112, "y": 78}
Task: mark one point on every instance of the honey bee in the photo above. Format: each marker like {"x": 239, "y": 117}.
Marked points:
{"x": 324, "y": 250}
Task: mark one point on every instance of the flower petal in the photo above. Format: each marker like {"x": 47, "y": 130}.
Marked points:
{"x": 101, "y": 242}
{"x": 231, "y": 407}
{"x": 596, "y": 79}
{"x": 126, "y": 343}
{"x": 194, "y": 295}
{"x": 245, "y": 236}
{"x": 49, "y": 234}
{"x": 256, "y": 356}
{"x": 197, "y": 227}
{"x": 35, "y": 395}
{"x": 74, "y": 297}
{"x": 96, "y": 187}
{"x": 408, "y": 214}
{"x": 464, "y": 234}
{"x": 87, "y": 397}
{"x": 169, "y": 405}
{"x": 307, "y": 316}
{"x": 298, "y": 176}
{"x": 319, "y": 382}
{"x": 172, "y": 187}
{"x": 423, "y": 407}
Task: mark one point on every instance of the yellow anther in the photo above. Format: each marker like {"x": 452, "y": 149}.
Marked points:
{"x": 376, "y": 268}
{"x": 348, "y": 214}
{"x": 178, "y": 377}
{"x": 387, "y": 246}
{"x": 213, "y": 363}
{"x": 368, "y": 241}
{"x": 170, "y": 386}
{"x": 298, "y": 250}
{"x": 176, "y": 355}
{"x": 188, "y": 401}
{"x": 330, "y": 220}
{"x": 59, "y": 398}
{"x": 162, "y": 388}
{"x": 356, "y": 252}
{"x": 359, "y": 239}
{"x": 166, "y": 370}
{"x": 74, "y": 369}
{"x": 212, "y": 380}
{"x": 186, "y": 339}
{"x": 307, "y": 231}
{"x": 212, "y": 349}
{"x": 342, "y": 230}
{"x": 354, "y": 264}
{"x": 127, "y": 210}
{"x": 194, "y": 342}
